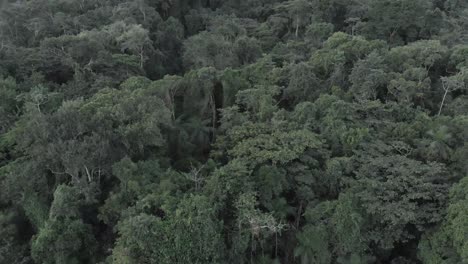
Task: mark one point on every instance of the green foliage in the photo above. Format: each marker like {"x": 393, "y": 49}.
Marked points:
{"x": 254, "y": 131}
{"x": 8, "y": 93}
{"x": 136, "y": 118}
{"x": 11, "y": 249}
{"x": 369, "y": 78}
{"x": 448, "y": 243}
{"x": 63, "y": 241}
{"x": 188, "y": 234}
{"x": 303, "y": 84}
{"x": 224, "y": 46}
{"x": 64, "y": 238}
{"x": 335, "y": 233}
{"x": 398, "y": 193}
{"x": 397, "y": 20}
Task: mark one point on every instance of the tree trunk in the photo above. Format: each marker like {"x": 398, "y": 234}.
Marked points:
{"x": 297, "y": 26}
{"x": 443, "y": 100}
{"x": 214, "y": 110}
{"x": 142, "y": 58}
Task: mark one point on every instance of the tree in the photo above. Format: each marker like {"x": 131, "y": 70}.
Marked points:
{"x": 397, "y": 20}
{"x": 391, "y": 187}
{"x": 209, "y": 50}
{"x": 190, "y": 233}
{"x": 299, "y": 12}
{"x": 447, "y": 243}
{"x": 235, "y": 131}
{"x": 369, "y": 77}
{"x": 247, "y": 50}
{"x": 133, "y": 38}
{"x": 8, "y": 110}
{"x": 412, "y": 66}
{"x": 453, "y": 83}
{"x": 334, "y": 233}
{"x": 65, "y": 238}
{"x": 11, "y": 248}
{"x": 303, "y": 84}
{"x": 341, "y": 50}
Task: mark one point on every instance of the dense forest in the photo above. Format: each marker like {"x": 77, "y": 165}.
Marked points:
{"x": 233, "y": 131}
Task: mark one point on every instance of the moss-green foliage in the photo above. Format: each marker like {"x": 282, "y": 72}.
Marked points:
{"x": 253, "y": 131}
